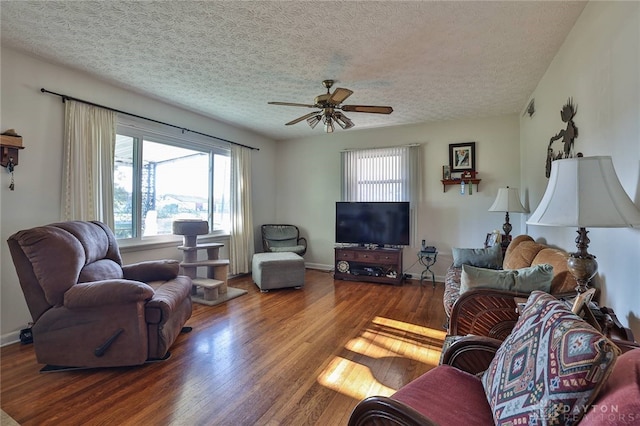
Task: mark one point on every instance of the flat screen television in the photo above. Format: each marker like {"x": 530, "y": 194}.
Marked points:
{"x": 380, "y": 223}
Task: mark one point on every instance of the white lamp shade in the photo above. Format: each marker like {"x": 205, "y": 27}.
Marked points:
{"x": 585, "y": 192}
{"x": 508, "y": 200}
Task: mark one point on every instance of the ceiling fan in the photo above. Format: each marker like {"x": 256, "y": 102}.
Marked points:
{"x": 330, "y": 109}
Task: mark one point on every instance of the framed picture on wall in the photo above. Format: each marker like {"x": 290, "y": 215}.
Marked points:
{"x": 462, "y": 156}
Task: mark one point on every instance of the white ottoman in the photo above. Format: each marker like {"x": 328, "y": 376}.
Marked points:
{"x": 277, "y": 270}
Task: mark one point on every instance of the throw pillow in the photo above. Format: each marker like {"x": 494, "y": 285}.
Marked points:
{"x": 550, "y": 368}
{"x": 472, "y": 277}
{"x": 537, "y": 277}
{"x": 483, "y": 258}
{"x": 523, "y": 280}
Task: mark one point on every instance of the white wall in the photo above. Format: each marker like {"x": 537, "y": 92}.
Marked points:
{"x": 298, "y": 181}
{"x": 599, "y": 67}
{"x": 309, "y": 183}
{"x": 39, "y": 119}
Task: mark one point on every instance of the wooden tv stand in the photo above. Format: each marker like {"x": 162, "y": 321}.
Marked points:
{"x": 371, "y": 265}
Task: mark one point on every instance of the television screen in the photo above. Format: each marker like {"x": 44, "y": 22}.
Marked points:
{"x": 381, "y": 223}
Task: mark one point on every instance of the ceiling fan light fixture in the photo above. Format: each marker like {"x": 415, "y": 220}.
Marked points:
{"x": 313, "y": 121}
{"x": 328, "y": 124}
{"x": 342, "y": 120}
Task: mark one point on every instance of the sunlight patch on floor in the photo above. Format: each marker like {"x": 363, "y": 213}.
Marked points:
{"x": 352, "y": 379}
{"x": 413, "y": 328}
{"x": 379, "y": 347}
{"x": 383, "y": 339}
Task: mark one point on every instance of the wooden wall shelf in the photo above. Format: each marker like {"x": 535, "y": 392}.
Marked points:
{"x": 449, "y": 182}
{"x": 9, "y": 152}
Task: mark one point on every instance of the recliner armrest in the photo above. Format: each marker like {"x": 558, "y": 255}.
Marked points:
{"x": 167, "y": 298}
{"x": 152, "y": 270}
{"x": 106, "y": 292}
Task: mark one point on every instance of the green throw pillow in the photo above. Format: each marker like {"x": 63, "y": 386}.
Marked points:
{"x": 524, "y": 280}
{"x": 482, "y": 258}
{"x": 472, "y": 277}
{"x": 536, "y": 277}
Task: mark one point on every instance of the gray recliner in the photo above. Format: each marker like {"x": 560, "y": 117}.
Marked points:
{"x": 283, "y": 238}
{"x": 90, "y": 310}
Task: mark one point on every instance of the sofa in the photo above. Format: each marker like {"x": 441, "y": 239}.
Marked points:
{"x": 90, "y": 310}
{"x": 486, "y": 306}
{"x": 554, "y": 368}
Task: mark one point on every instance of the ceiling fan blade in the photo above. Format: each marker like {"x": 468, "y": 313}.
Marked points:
{"x": 304, "y": 117}
{"x": 339, "y": 95}
{"x": 291, "y": 104}
{"x": 368, "y": 108}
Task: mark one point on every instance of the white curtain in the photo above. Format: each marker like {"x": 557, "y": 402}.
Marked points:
{"x": 241, "y": 245}
{"x": 384, "y": 174}
{"x": 87, "y": 170}
{"x": 415, "y": 178}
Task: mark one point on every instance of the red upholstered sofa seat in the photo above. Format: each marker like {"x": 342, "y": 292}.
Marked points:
{"x": 466, "y": 406}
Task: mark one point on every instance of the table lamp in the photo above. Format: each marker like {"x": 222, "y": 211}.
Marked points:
{"x": 584, "y": 192}
{"x": 508, "y": 200}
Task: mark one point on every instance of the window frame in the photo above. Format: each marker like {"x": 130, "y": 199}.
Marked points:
{"x": 138, "y": 130}
{"x": 359, "y": 182}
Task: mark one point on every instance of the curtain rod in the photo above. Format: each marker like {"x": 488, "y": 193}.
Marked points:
{"x": 65, "y": 97}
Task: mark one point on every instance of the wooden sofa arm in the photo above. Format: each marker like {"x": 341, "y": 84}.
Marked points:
{"x": 384, "y": 411}
{"x": 485, "y": 312}
{"x": 472, "y": 354}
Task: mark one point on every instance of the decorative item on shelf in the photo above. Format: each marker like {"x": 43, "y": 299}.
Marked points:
{"x": 10, "y": 143}
{"x": 467, "y": 177}
{"x": 507, "y": 201}
{"x": 446, "y": 172}
{"x": 567, "y": 135}
{"x": 585, "y": 192}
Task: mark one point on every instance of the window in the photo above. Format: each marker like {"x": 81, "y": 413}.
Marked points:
{"x": 383, "y": 174}
{"x": 160, "y": 178}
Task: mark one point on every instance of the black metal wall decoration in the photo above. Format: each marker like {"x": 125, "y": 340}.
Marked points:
{"x": 567, "y": 135}
{"x": 531, "y": 108}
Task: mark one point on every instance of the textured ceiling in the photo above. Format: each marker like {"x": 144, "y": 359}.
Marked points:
{"x": 428, "y": 60}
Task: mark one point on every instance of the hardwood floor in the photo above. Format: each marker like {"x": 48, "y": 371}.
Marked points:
{"x": 287, "y": 357}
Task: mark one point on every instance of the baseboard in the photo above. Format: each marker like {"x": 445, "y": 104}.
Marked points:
{"x": 318, "y": 266}
{"x": 10, "y": 338}
{"x": 7, "y": 420}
